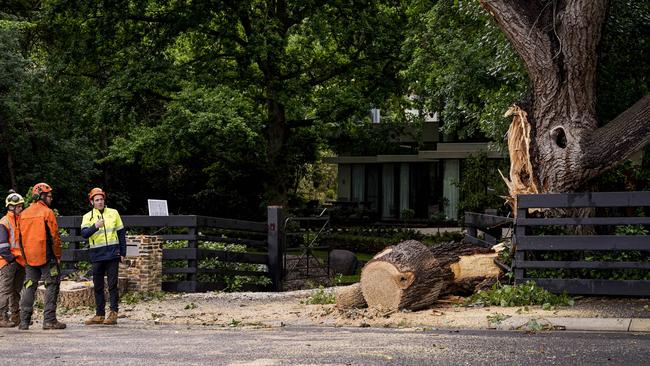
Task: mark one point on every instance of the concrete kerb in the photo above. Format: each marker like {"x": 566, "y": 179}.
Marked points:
{"x": 574, "y": 324}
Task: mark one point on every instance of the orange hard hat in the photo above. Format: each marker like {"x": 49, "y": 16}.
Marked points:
{"x": 41, "y": 188}
{"x": 94, "y": 192}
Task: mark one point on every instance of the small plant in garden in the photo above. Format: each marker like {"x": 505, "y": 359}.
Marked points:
{"x": 631, "y": 230}
{"x": 136, "y": 297}
{"x": 534, "y": 326}
{"x": 525, "y": 294}
{"x": 497, "y": 318}
{"x": 321, "y": 297}
{"x": 235, "y": 323}
{"x": 407, "y": 214}
{"x": 190, "y": 306}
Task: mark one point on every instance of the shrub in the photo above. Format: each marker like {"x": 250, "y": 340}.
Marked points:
{"x": 525, "y": 294}
{"x": 321, "y": 297}
{"x": 136, "y": 297}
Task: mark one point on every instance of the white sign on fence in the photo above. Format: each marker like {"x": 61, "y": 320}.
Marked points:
{"x": 158, "y": 207}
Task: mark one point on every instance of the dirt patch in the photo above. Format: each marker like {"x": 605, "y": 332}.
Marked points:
{"x": 291, "y": 308}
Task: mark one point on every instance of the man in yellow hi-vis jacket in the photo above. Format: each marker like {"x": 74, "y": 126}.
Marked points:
{"x": 103, "y": 228}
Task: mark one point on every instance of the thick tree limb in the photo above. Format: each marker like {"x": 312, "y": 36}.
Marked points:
{"x": 619, "y": 139}
{"x": 534, "y": 47}
{"x": 581, "y": 26}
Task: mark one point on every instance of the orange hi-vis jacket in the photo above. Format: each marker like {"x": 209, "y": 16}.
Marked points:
{"x": 12, "y": 226}
{"x": 37, "y": 222}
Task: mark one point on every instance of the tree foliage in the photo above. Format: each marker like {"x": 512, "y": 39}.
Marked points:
{"x": 223, "y": 106}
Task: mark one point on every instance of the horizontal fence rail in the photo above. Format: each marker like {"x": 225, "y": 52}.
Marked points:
{"x": 586, "y": 252}
{"x": 197, "y": 266}
{"x": 490, "y": 225}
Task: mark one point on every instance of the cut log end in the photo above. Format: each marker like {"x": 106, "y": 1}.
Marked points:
{"x": 477, "y": 265}
{"x": 382, "y": 284}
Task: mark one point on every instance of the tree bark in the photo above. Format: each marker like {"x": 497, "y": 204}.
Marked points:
{"x": 558, "y": 43}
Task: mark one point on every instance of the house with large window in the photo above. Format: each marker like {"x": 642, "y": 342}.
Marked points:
{"x": 420, "y": 182}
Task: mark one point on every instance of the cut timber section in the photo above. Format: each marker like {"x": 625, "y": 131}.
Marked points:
{"x": 411, "y": 276}
{"x": 404, "y": 276}
{"x": 477, "y": 265}
{"x": 350, "y": 297}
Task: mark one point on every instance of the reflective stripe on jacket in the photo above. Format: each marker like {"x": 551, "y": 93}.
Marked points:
{"x": 37, "y": 227}
{"x": 12, "y": 227}
{"x": 104, "y": 242}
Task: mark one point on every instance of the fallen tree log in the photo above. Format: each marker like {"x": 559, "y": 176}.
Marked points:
{"x": 348, "y": 297}
{"x": 412, "y": 276}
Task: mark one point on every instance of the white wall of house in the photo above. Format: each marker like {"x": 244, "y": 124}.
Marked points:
{"x": 451, "y": 175}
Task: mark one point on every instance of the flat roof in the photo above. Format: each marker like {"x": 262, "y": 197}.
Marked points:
{"x": 446, "y": 150}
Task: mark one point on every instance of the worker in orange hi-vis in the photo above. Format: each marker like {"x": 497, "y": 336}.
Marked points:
{"x": 12, "y": 263}
{"x": 42, "y": 249}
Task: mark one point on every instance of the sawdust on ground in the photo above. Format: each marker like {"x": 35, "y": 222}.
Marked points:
{"x": 291, "y": 308}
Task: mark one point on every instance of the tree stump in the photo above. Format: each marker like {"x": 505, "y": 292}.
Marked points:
{"x": 73, "y": 294}
{"x": 404, "y": 276}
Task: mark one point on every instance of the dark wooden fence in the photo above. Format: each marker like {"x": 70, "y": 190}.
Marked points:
{"x": 186, "y": 265}
{"x": 490, "y": 225}
{"x": 563, "y": 259}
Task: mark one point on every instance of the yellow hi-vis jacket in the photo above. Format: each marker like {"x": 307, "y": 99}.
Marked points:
{"x": 105, "y": 242}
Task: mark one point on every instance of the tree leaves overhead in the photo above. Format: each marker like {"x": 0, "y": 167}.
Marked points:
{"x": 463, "y": 67}
{"x": 221, "y": 106}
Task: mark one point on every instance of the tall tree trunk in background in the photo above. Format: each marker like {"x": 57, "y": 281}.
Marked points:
{"x": 277, "y": 134}
{"x": 6, "y": 143}
{"x": 558, "y": 41}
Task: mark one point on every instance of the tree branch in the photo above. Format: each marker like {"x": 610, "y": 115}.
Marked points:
{"x": 619, "y": 139}
{"x": 534, "y": 47}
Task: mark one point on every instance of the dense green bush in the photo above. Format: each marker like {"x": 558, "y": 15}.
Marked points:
{"x": 232, "y": 282}
{"x": 375, "y": 239}
{"x": 525, "y": 294}
{"x": 593, "y": 256}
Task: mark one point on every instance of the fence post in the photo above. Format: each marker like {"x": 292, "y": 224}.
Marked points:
{"x": 520, "y": 231}
{"x": 275, "y": 219}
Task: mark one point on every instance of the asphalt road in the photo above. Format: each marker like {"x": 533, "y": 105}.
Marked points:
{"x": 145, "y": 344}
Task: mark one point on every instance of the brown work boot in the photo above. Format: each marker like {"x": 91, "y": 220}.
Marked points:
{"x": 4, "y": 323}
{"x": 54, "y": 325}
{"x": 111, "y": 319}
{"x": 15, "y": 319}
{"x": 97, "y": 319}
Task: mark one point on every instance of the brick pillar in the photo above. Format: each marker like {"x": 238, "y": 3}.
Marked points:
{"x": 143, "y": 266}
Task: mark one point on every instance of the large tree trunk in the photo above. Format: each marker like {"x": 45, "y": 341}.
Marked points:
{"x": 558, "y": 43}
{"x": 8, "y": 145}
{"x": 412, "y": 276}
